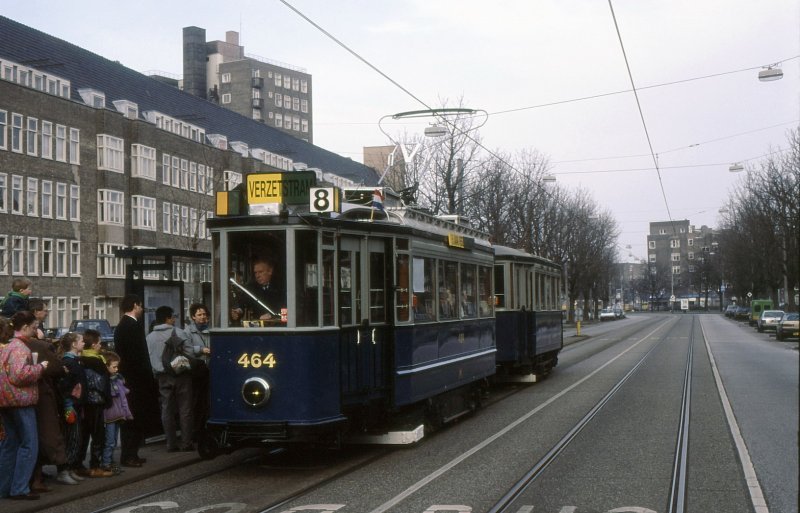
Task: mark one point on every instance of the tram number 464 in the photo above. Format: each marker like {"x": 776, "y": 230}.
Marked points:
{"x": 256, "y": 360}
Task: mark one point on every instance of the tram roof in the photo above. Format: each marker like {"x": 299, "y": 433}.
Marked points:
{"x": 508, "y": 253}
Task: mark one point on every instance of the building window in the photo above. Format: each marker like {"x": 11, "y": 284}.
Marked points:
{"x": 193, "y": 176}
{"x": 257, "y": 114}
{"x": 279, "y": 120}
{"x": 3, "y": 254}
{"x": 277, "y": 79}
{"x": 74, "y": 258}
{"x": 295, "y": 84}
{"x": 61, "y": 143}
{"x": 287, "y": 122}
{"x": 3, "y": 192}
{"x": 143, "y": 213}
{"x": 287, "y": 102}
{"x": 165, "y": 217}
{"x": 61, "y": 200}
{"x": 74, "y": 146}
{"x": 16, "y": 194}
{"x": 278, "y": 100}
{"x": 210, "y": 181}
{"x": 61, "y": 257}
{"x": 74, "y": 203}
{"x": 32, "y": 198}
{"x": 691, "y": 255}
{"x": 110, "y": 153}
{"x": 676, "y": 269}
{"x": 16, "y": 133}
{"x": 143, "y": 161}
{"x": 295, "y": 123}
{"x": 176, "y": 219}
{"x": 47, "y": 257}
{"x": 184, "y": 174}
{"x": 33, "y": 256}
{"x": 110, "y": 207}
{"x": 651, "y": 244}
{"x": 201, "y": 178}
{"x": 303, "y": 85}
{"x": 226, "y": 98}
{"x": 3, "y": 129}
{"x": 652, "y": 258}
{"x": 176, "y": 172}
{"x": 32, "y": 136}
{"x": 165, "y": 169}
{"x": 231, "y": 179}
{"x": 295, "y": 103}
{"x": 674, "y": 243}
{"x": 690, "y": 242}
{"x": 193, "y": 222}
{"x": 108, "y": 265}
{"x": 226, "y": 78}
{"x": 47, "y": 140}
{"x": 17, "y": 255}
{"x": 676, "y": 257}
{"x": 304, "y": 106}
{"x": 185, "y": 221}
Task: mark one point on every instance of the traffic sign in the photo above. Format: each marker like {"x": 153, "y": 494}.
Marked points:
{"x": 672, "y": 298}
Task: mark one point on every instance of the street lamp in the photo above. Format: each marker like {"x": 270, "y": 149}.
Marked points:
{"x": 736, "y": 167}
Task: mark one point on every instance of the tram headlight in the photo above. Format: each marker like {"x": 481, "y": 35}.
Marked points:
{"x": 256, "y": 391}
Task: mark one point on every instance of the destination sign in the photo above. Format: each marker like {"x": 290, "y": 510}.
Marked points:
{"x": 289, "y": 188}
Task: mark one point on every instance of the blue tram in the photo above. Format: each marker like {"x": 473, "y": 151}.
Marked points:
{"x": 383, "y": 324}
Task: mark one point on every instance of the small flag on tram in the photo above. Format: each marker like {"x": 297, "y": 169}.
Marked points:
{"x": 377, "y": 199}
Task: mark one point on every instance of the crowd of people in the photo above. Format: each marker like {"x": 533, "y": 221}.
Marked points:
{"x": 66, "y": 402}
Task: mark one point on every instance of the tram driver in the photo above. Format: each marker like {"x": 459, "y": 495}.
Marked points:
{"x": 264, "y": 297}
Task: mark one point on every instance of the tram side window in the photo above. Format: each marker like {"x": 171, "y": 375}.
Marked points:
{"x": 402, "y": 288}
{"x": 468, "y": 306}
{"x": 349, "y": 287}
{"x": 328, "y": 305}
{"x": 377, "y": 286}
{"x": 448, "y": 281}
{"x": 307, "y": 278}
{"x": 485, "y": 303}
{"x": 422, "y": 301}
{"x": 499, "y": 286}
{"x": 257, "y": 278}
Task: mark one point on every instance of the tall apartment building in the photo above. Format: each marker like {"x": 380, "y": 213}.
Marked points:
{"x": 96, "y": 158}
{"x": 678, "y": 247}
{"x": 267, "y": 91}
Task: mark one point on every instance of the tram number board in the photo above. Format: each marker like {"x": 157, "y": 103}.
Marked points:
{"x": 455, "y": 240}
{"x": 289, "y": 188}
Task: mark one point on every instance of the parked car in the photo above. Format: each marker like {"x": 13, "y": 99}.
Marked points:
{"x": 55, "y": 333}
{"x": 101, "y": 325}
{"x": 768, "y": 320}
{"x": 730, "y": 311}
{"x": 607, "y": 314}
{"x": 742, "y": 313}
{"x": 789, "y": 326}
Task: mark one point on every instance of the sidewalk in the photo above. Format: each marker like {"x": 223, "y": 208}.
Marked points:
{"x": 159, "y": 461}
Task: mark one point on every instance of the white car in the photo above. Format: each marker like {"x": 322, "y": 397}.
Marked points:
{"x": 607, "y": 314}
{"x": 769, "y": 320}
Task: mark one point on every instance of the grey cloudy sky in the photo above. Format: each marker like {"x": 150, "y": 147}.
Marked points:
{"x": 507, "y": 55}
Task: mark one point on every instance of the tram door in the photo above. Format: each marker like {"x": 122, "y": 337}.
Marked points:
{"x": 365, "y": 268}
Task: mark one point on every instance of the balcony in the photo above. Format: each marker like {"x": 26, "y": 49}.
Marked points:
{"x": 257, "y": 82}
{"x": 258, "y": 103}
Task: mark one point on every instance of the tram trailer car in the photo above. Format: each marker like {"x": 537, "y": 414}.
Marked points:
{"x": 529, "y": 330}
{"x": 386, "y": 327}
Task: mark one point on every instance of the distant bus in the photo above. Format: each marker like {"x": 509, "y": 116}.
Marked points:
{"x": 756, "y": 307}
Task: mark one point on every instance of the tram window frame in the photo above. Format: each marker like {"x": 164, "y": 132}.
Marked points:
{"x": 329, "y": 277}
{"x": 500, "y": 285}
{"x": 377, "y": 286}
{"x": 307, "y": 278}
{"x": 423, "y": 270}
{"x": 467, "y": 286}
{"x": 349, "y": 282}
{"x": 402, "y": 285}
{"x": 485, "y": 302}
{"x": 447, "y": 285}
{"x": 243, "y": 249}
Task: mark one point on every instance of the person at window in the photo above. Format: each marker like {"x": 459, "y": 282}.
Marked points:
{"x": 266, "y": 297}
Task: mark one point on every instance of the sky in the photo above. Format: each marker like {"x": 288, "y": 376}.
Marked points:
{"x": 540, "y": 59}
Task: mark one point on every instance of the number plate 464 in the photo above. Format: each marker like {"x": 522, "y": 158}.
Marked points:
{"x": 256, "y": 360}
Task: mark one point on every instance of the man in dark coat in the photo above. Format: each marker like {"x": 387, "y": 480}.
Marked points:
{"x": 131, "y": 346}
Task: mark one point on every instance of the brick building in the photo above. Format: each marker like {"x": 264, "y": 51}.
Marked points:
{"x": 95, "y": 157}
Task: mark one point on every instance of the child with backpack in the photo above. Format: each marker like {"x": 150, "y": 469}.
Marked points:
{"x": 116, "y": 413}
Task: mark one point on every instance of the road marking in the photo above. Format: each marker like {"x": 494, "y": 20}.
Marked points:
{"x": 753, "y": 487}
{"x": 447, "y": 467}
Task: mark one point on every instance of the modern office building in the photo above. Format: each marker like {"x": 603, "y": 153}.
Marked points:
{"x": 271, "y": 92}
{"x": 96, "y": 158}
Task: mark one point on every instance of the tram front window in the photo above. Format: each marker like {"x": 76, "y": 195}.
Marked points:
{"x": 257, "y": 278}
